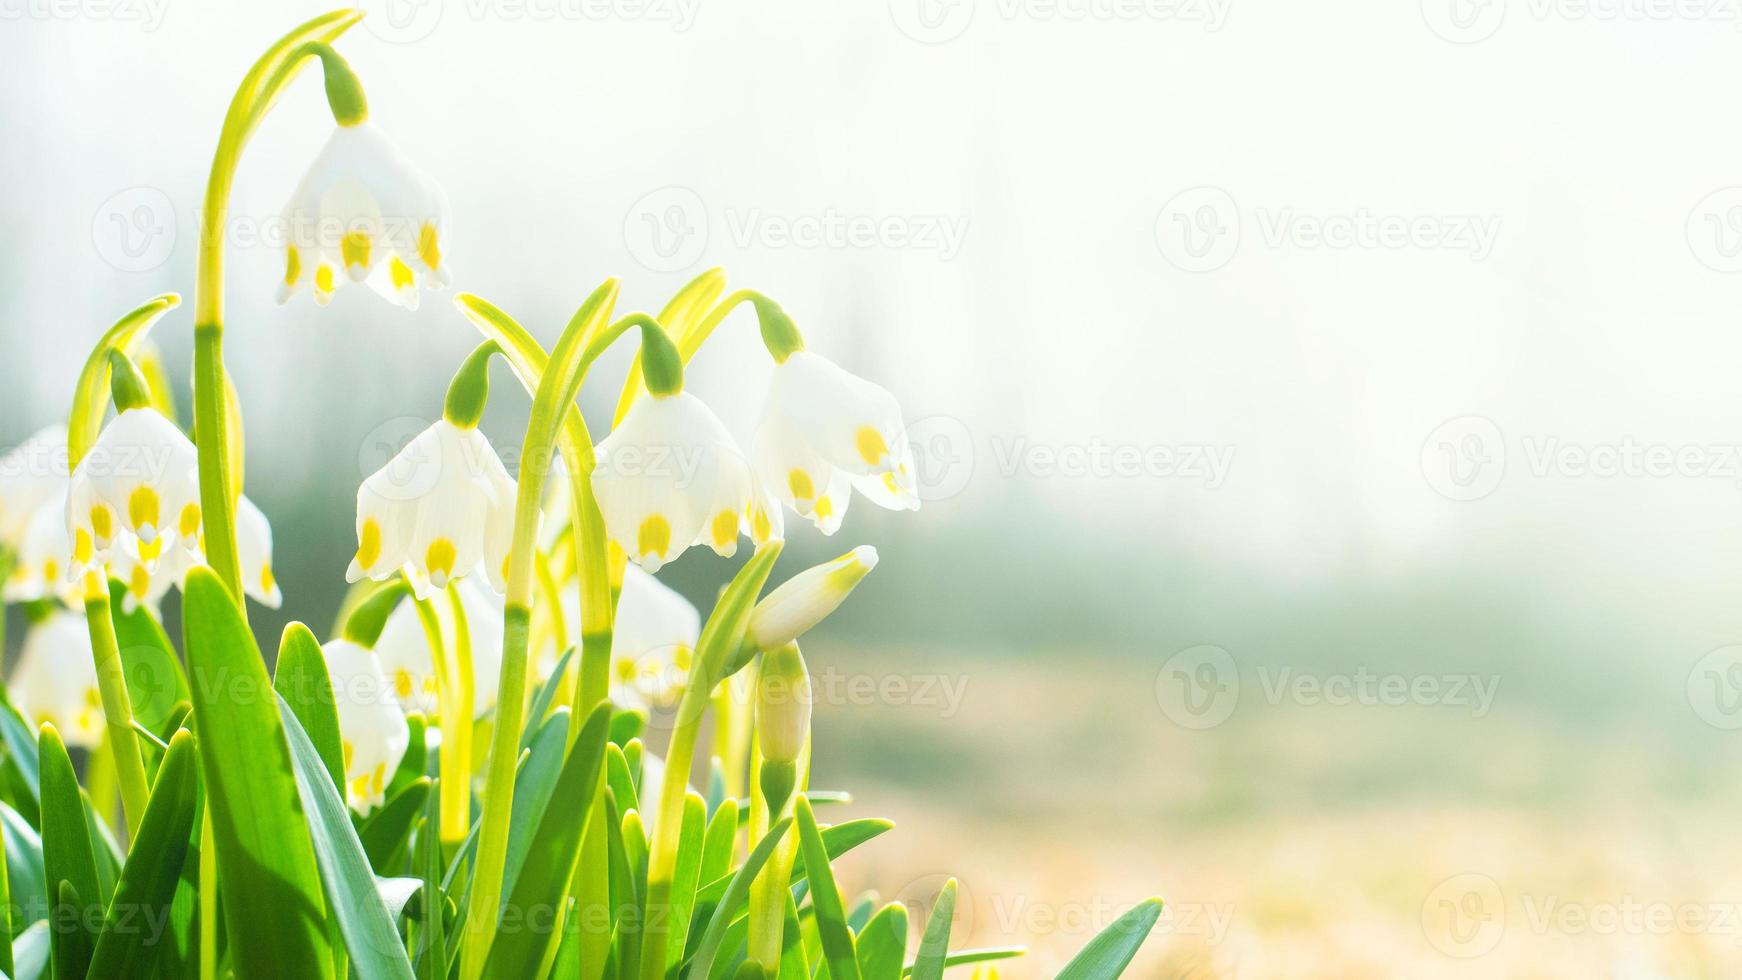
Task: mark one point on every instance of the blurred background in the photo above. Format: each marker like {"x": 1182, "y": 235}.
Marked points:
{"x": 1326, "y": 415}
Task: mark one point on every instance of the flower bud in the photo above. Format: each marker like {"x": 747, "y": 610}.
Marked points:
{"x": 783, "y": 721}
{"x": 807, "y": 598}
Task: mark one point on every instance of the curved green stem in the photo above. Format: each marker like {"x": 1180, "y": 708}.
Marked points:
{"x": 259, "y": 89}
{"x": 458, "y": 743}
{"x": 117, "y": 708}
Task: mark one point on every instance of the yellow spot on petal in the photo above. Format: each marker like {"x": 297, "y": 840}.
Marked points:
{"x": 324, "y": 279}
{"x": 379, "y": 784}
{"x": 143, "y": 507}
{"x": 627, "y": 671}
{"x": 680, "y": 657}
{"x": 725, "y": 528}
{"x": 428, "y": 249}
{"x": 51, "y": 571}
{"x": 139, "y": 583}
{"x": 102, "y": 522}
{"x": 188, "y": 525}
{"x": 890, "y": 484}
{"x": 82, "y": 546}
{"x": 760, "y": 524}
{"x": 400, "y": 273}
{"x": 402, "y": 682}
{"x": 800, "y": 483}
{"x": 870, "y": 444}
{"x": 150, "y": 551}
{"x": 439, "y": 559}
{"x": 292, "y": 266}
{"x": 267, "y": 582}
{"x": 369, "y": 545}
{"x": 354, "y": 248}
{"x": 93, "y": 697}
{"x": 654, "y": 538}
{"x": 824, "y": 509}
{"x": 350, "y": 750}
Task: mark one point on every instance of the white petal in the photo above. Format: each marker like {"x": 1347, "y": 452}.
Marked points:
{"x": 31, "y": 475}
{"x": 254, "y": 554}
{"x": 372, "y": 728}
{"x": 56, "y": 679}
{"x": 658, "y": 474}
{"x": 852, "y": 423}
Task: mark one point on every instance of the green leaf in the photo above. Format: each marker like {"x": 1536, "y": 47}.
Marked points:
{"x": 717, "y": 846}
{"x": 155, "y": 682}
{"x": 21, "y": 756}
{"x": 273, "y": 907}
{"x": 825, "y": 897}
{"x": 618, "y": 779}
{"x": 550, "y": 860}
{"x": 128, "y": 946}
{"x": 371, "y": 937}
{"x": 91, "y": 397}
{"x": 68, "y": 861}
{"x": 735, "y": 894}
{"x": 686, "y": 878}
{"x": 414, "y": 765}
{"x": 70, "y": 944}
{"x": 532, "y": 788}
{"x": 302, "y": 680}
{"x": 543, "y": 698}
{"x": 882, "y": 944}
{"x": 987, "y": 955}
{"x": 30, "y": 953}
{"x": 934, "y": 945}
{"x": 24, "y": 871}
{"x": 385, "y": 833}
{"x": 839, "y": 839}
{"x": 1108, "y": 954}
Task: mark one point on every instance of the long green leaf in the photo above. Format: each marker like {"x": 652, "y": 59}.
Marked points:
{"x": 21, "y": 756}
{"x": 736, "y": 893}
{"x": 988, "y": 954}
{"x": 935, "y": 944}
{"x": 24, "y": 871}
{"x": 684, "y": 882}
{"x": 839, "y": 839}
{"x": 70, "y": 944}
{"x": 825, "y": 897}
{"x": 69, "y": 865}
{"x": 882, "y": 944}
{"x": 301, "y": 679}
{"x": 128, "y": 946}
{"x": 355, "y": 900}
{"x": 272, "y": 905}
{"x": 385, "y": 833}
{"x": 1108, "y": 954}
{"x": 155, "y": 682}
{"x": 533, "y": 786}
{"x": 550, "y": 859}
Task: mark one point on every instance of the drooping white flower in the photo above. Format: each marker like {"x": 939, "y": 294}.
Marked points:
{"x": 670, "y": 476}
{"x": 824, "y": 431}
{"x": 404, "y": 650}
{"x": 441, "y": 507}
{"x": 32, "y": 474}
{"x": 653, "y": 640}
{"x": 807, "y": 598}
{"x": 42, "y": 568}
{"x": 56, "y": 679}
{"x": 364, "y": 213}
{"x": 138, "y": 485}
{"x": 372, "y": 730}
{"x": 254, "y": 554}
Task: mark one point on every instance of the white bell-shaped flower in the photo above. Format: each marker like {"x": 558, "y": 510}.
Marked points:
{"x": 56, "y": 679}
{"x": 138, "y": 485}
{"x": 254, "y": 554}
{"x": 438, "y": 509}
{"x": 404, "y": 650}
{"x": 372, "y": 730}
{"x": 364, "y": 213}
{"x": 653, "y": 640}
{"x": 670, "y": 476}
{"x": 32, "y": 474}
{"x": 826, "y": 431}
{"x": 42, "y": 568}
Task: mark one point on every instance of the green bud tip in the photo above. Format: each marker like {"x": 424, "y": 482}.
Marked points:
{"x": 779, "y": 334}
{"x": 126, "y": 385}
{"x": 368, "y": 620}
{"x": 344, "y": 91}
{"x": 471, "y": 387}
{"x": 661, "y": 364}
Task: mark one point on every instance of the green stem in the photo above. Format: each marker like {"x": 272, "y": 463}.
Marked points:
{"x": 208, "y": 898}
{"x": 464, "y": 712}
{"x": 259, "y": 89}
{"x": 452, "y": 786}
{"x": 117, "y": 709}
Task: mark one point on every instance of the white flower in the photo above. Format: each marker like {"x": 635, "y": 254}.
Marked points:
{"x": 364, "y": 209}
{"x": 669, "y": 477}
{"x": 139, "y": 486}
{"x": 254, "y": 554}
{"x": 30, "y": 476}
{"x": 56, "y": 679}
{"x": 807, "y": 598}
{"x": 653, "y": 640}
{"x": 824, "y": 431}
{"x": 43, "y": 568}
{"x": 437, "y": 510}
{"x": 372, "y": 729}
{"x": 403, "y": 649}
